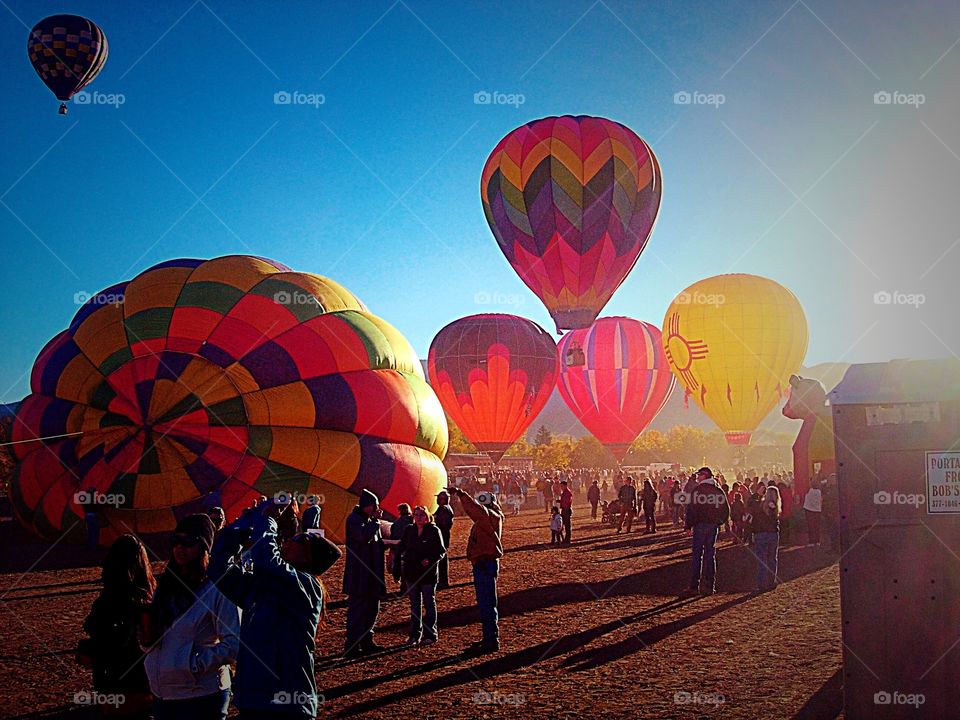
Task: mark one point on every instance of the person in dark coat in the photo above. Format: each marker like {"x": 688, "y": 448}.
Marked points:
{"x": 444, "y": 520}
{"x": 420, "y": 549}
{"x": 648, "y": 501}
{"x": 403, "y": 521}
{"x": 112, "y": 650}
{"x": 707, "y": 511}
{"x": 363, "y": 580}
{"x": 310, "y": 520}
{"x": 282, "y": 601}
{"x": 593, "y": 497}
{"x": 627, "y": 496}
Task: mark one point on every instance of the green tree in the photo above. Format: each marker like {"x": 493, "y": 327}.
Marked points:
{"x": 589, "y": 453}
{"x": 544, "y": 437}
{"x": 458, "y": 441}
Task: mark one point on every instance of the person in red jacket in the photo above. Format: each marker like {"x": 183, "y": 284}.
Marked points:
{"x": 566, "y": 510}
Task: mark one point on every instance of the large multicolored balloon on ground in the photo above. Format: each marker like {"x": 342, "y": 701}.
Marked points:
{"x": 572, "y": 202}
{"x": 493, "y": 375}
{"x": 68, "y": 52}
{"x": 614, "y": 377}
{"x": 733, "y": 341}
{"x": 202, "y": 383}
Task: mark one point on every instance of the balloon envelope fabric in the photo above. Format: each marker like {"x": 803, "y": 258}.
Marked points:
{"x": 493, "y": 374}
{"x": 733, "y": 341}
{"x": 202, "y": 383}
{"x": 572, "y": 202}
{"x": 615, "y": 378}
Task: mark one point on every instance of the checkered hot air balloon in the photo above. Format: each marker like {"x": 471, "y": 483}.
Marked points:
{"x": 615, "y": 378}
{"x": 572, "y": 202}
{"x": 212, "y": 382}
{"x": 68, "y": 52}
{"x": 493, "y": 374}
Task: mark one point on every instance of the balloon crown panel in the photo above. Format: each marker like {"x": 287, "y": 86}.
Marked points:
{"x": 213, "y": 382}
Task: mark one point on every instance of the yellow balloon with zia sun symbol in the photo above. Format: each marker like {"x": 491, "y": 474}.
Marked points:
{"x": 733, "y": 341}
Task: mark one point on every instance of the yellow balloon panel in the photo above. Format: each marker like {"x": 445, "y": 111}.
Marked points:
{"x": 733, "y": 341}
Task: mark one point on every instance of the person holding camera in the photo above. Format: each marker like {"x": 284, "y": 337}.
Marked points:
{"x": 363, "y": 576}
{"x": 484, "y": 550}
{"x": 282, "y": 599}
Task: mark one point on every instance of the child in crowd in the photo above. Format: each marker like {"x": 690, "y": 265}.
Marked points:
{"x": 556, "y": 526}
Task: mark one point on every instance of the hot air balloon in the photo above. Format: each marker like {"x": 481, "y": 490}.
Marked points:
{"x": 212, "y": 382}
{"x": 68, "y": 52}
{"x": 572, "y": 202}
{"x": 493, "y": 375}
{"x": 733, "y": 341}
{"x": 614, "y": 377}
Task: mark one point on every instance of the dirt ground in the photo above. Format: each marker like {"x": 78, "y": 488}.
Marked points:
{"x": 590, "y": 629}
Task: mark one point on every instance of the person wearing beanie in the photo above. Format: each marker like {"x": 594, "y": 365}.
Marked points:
{"x": 191, "y": 630}
{"x": 363, "y": 575}
{"x": 484, "y": 550}
{"x": 282, "y": 600}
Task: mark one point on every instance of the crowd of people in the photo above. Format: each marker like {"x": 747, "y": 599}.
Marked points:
{"x": 234, "y": 615}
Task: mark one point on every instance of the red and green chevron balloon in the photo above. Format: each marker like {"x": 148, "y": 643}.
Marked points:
{"x": 572, "y": 202}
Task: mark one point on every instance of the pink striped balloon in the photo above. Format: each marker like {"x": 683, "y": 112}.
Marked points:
{"x": 615, "y": 378}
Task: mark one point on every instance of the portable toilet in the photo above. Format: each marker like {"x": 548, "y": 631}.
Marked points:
{"x": 897, "y": 436}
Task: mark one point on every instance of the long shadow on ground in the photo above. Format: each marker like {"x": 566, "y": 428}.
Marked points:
{"x": 735, "y": 574}
{"x": 501, "y": 664}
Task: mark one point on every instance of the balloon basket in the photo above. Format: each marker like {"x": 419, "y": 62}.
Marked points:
{"x": 63, "y": 109}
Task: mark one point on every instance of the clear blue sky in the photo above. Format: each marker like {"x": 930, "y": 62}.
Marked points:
{"x": 379, "y": 186}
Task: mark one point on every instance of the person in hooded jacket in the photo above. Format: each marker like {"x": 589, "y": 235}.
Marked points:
{"x": 191, "y": 632}
{"x": 282, "y": 601}
{"x": 420, "y": 550}
{"x": 484, "y": 550}
{"x": 363, "y": 575}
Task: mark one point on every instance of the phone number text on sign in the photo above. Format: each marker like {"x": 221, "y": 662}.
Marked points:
{"x": 943, "y": 482}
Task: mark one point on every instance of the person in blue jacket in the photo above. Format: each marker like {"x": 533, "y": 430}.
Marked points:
{"x": 363, "y": 581}
{"x": 281, "y": 600}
